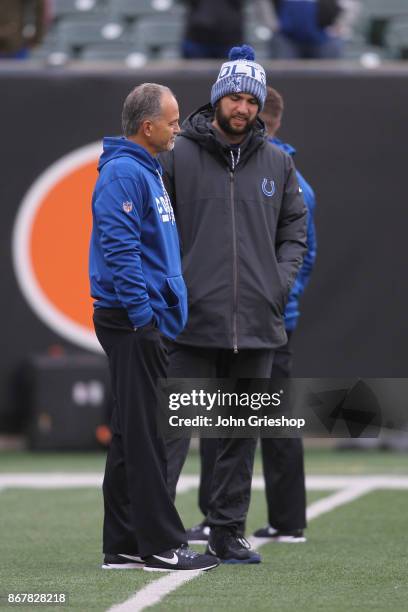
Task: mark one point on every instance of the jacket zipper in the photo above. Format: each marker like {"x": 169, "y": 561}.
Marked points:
{"x": 234, "y": 269}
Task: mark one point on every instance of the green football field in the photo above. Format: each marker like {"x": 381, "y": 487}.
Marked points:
{"x": 356, "y": 556}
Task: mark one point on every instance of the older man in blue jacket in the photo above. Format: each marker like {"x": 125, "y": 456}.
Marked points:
{"x": 140, "y": 296}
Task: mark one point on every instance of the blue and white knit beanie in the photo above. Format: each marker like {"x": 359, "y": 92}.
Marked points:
{"x": 240, "y": 75}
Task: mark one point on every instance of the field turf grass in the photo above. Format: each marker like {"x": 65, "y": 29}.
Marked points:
{"x": 356, "y": 557}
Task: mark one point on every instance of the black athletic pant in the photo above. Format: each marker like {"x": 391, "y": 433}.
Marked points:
{"x": 282, "y": 465}
{"x": 140, "y": 516}
{"x": 233, "y": 462}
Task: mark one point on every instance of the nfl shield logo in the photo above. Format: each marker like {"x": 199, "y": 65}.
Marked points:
{"x": 127, "y": 206}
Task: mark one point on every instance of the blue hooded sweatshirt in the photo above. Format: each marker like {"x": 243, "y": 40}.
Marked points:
{"x": 292, "y": 307}
{"x": 134, "y": 260}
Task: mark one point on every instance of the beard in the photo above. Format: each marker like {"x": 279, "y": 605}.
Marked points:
{"x": 225, "y": 123}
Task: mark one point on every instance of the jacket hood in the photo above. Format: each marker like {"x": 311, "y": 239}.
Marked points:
{"x": 115, "y": 147}
{"x": 284, "y": 146}
{"x": 198, "y": 127}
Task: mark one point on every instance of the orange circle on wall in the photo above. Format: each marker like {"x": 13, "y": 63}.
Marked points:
{"x": 51, "y": 245}
{"x": 60, "y": 243}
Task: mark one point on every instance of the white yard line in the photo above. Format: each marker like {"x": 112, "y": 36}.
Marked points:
{"x": 51, "y": 480}
{"x": 154, "y": 592}
{"x": 71, "y": 480}
{"x": 321, "y": 506}
{"x": 339, "y": 498}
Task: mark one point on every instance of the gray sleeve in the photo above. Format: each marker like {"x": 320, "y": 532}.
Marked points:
{"x": 291, "y": 234}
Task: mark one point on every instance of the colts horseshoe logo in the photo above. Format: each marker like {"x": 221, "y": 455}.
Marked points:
{"x": 268, "y": 191}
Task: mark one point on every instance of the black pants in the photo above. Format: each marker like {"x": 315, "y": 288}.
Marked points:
{"x": 140, "y": 516}
{"x": 282, "y": 466}
{"x": 229, "y": 487}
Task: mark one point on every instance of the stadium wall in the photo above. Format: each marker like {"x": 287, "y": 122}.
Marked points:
{"x": 350, "y": 128}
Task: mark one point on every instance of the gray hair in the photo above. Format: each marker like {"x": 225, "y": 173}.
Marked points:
{"x": 143, "y": 102}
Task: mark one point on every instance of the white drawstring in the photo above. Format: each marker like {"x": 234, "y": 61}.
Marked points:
{"x": 168, "y": 207}
{"x": 234, "y": 161}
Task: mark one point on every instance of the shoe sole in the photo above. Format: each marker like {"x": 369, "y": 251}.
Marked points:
{"x": 289, "y": 540}
{"x": 204, "y": 542}
{"x": 122, "y": 566}
{"x": 282, "y": 539}
{"x": 241, "y": 561}
{"x": 165, "y": 569}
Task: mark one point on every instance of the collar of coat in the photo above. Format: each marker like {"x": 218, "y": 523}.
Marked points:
{"x": 198, "y": 127}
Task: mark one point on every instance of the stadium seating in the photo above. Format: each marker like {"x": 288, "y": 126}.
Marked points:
{"x": 384, "y": 8}
{"x": 160, "y": 35}
{"x": 129, "y": 9}
{"x": 78, "y": 34}
{"x": 64, "y": 8}
{"x": 258, "y": 36}
{"x": 379, "y": 15}
{"x": 396, "y": 38}
{"x": 99, "y": 30}
{"x": 133, "y": 56}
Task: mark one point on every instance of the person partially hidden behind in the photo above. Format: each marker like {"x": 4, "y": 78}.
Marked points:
{"x": 140, "y": 298}
{"x": 282, "y": 458}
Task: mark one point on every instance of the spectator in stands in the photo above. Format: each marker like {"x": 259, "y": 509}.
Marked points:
{"x": 305, "y": 29}
{"x": 212, "y": 28}
{"x": 22, "y": 26}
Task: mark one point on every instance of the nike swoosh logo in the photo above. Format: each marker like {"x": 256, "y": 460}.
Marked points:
{"x": 211, "y": 550}
{"x": 130, "y": 557}
{"x": 172, "y": 561}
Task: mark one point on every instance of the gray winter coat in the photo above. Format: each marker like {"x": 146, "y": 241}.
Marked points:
{"x": 242, "y": 224}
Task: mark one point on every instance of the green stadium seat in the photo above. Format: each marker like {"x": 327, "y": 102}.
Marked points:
{"x": 134, "y": 56}
{"x": 259, "y": 37}
{"x": 170, "y": 52}
{"x": 377, "y": 15}
{"x": 80, "y": 33}
{"x": 157, "y": 33}
{"x": 367, "y": 54}
{"x": 57, "y": 56}
{"x": 64, "y": 8}
{"x": 134, "y": 9}
{"x": 384, "y": 8}
{"x": 396, "y": 39}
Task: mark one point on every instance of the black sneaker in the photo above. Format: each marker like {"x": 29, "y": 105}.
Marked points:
{"x": 231, "y": 547}
{"x": 198, "y": 534}
{"x": 122, "y": 562}
{"x": 295, "y": 536}
{"x": 178, "y": 559}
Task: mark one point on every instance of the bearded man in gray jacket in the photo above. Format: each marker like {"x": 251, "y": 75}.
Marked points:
{"x": 242, "y": 224}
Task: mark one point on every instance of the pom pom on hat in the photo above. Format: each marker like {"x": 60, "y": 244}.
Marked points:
{"x": 244, "y": 52}
{"x": 241, "y": 74}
